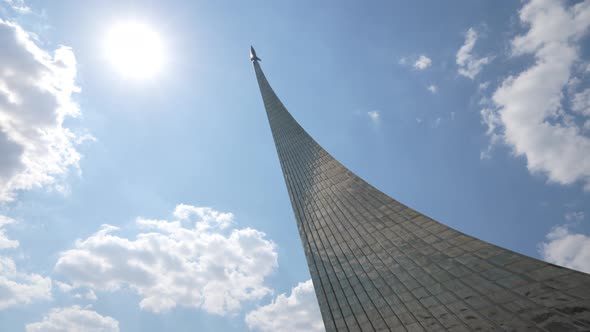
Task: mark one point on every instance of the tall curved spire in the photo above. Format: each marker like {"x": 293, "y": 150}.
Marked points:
{"x": 378, "y": 265}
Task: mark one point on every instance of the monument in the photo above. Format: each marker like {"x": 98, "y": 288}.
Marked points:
{"x": 378, "y": 265}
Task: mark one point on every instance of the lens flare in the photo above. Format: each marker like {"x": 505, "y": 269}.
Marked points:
{"x": 135, "y": 50}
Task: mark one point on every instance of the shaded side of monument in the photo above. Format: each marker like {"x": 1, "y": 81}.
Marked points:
{"x": 378, "y": 265}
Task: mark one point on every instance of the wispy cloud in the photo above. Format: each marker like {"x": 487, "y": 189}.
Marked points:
{"x": 375, "y": 116}
{"x": 574, "y": 216}
{"x": 483, "y": 86}
{"x": 581, "y": 102}
{"x": 433, "y": 88}
{"x": 469, "y": 64}
{"x": 436, "y": 122}
{"x": 423, "y": 62}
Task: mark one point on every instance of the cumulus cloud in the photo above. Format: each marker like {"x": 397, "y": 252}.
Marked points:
{"x": 566, "y": 248}
{"x": 18, "y": 288}
{"x": 374, "y": 115}
{"x": 469, "y": 64}
{"x": 297, "y": 312}
{"x": 574, "y": 216}
{"x": 432, "y": 88}
{"x": 423, "y": 62}
{"x": 528, "y": 114}
{"x": 74, "y": 319}
{"x": 195, "y": 260}
{"x": 35, "y": 97}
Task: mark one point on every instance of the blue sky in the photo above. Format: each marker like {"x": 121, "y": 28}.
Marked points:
{"x": 158, "y": 203}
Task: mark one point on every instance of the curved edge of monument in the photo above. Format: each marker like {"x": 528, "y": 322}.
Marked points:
{"x": 378, "y": 265}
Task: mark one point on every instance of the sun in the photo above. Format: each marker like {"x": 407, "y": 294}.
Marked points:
{"x": 135, "y": 50}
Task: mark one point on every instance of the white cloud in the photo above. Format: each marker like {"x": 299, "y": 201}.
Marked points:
{"x": 374, "y": 115}
{"x": 575, "y": 216}
{"x": 423, "y": 62}
{"x": 528, "y": 104}
{"x": 483, "y": 86}
{"x": 469, "y": 64}
{"x": 35, "y": 98}
{"x": 5, "y": 242}
{"x": 492, "y": 120}
{"x": 433, "y": 88}
{"x": 192, "y": 261}
{"x": 562, "y": 247}
{"x": 74, "y": 319}
{"x": 18, "y": 288}
{"x": 297, "y": 312}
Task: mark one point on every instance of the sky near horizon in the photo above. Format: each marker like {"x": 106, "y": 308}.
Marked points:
{"x": 140, "y": 189}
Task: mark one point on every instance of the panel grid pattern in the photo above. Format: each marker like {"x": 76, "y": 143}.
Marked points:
{"x": 378, "y": 265}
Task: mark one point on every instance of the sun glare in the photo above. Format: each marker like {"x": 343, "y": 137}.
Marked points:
{"x": 135, "y": 50}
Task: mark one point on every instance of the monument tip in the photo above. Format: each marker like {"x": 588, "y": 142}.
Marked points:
{"x": 253, "y": 56}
